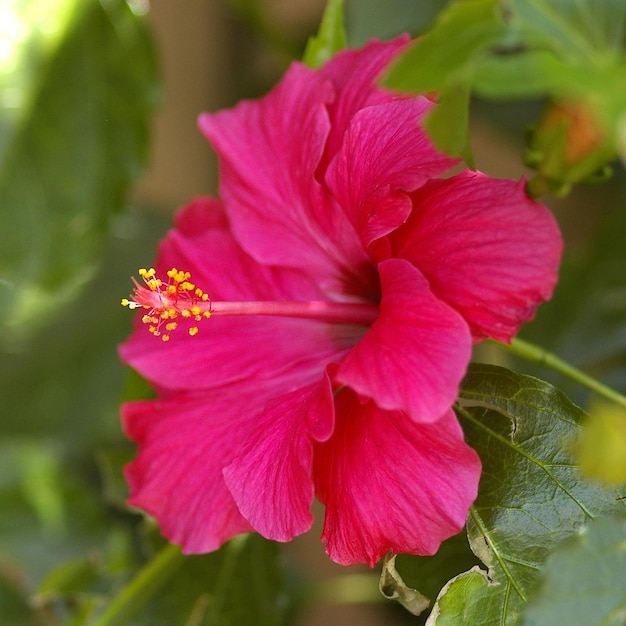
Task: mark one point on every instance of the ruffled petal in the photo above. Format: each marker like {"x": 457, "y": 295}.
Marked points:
{"x": 231, "y": 349}
{"x": 354, "y": 75}
{"x": 269, "y": 151}
{"x": 270, "y": 478}
{"x": 184, "y": 442}
{"x": 415, "y": 354}
{"x": 486, "y": 248}
{"x": 384, "y": 155}
{"x": 391, "y": 484}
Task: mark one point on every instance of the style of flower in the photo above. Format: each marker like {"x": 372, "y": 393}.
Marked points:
{"x": 345, "y": 284}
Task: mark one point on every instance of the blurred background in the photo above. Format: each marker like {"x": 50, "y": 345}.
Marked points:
{"x": 98, "y": 147}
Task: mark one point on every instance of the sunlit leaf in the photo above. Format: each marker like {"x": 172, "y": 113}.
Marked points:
{"x": 72, "y": 155}
{"x": 573, "y": 30}
{"x": 447, "y": 53}
{"x": 443, "y": 61}
{"x": 582, "y": 582}
{"x": 531, "y": 495}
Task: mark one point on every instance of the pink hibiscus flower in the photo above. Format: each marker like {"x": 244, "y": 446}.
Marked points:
{"x": 364, "y": 279}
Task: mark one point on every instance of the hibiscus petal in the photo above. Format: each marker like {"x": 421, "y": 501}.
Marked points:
{"x": 391, "y": 484}
{"x": 385, "y": 154}
{"x": 486, "y": 248}
{"x": 415, "y": 354}
{"x": 355, "y": 74}
{"x": 270, "y": 478}
{"x": 269, "y": 150}
{"x": 290, "y": 352}
{"x": 184, "y": 442}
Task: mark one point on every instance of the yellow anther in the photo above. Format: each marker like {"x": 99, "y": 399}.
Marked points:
{"x": 167, "y": 302}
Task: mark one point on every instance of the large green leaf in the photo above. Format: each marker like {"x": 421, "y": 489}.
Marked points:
{"x": 583, "y": 579}
{"x": 447, "y": 53}
{"x": 531, "y": 495}
{"x": 73, "y": 152}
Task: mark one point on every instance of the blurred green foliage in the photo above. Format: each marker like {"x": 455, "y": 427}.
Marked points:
{"x": 69, "y": 156}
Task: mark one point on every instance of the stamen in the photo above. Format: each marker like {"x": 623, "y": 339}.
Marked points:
{"x": 179, "y": 300}
{"x": 167, "y": 302}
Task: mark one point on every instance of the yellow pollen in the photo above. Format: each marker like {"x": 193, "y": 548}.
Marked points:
{"x": 168, "y": 302}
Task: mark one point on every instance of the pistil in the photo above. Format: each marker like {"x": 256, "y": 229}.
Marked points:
{"x": 179, "y": 299}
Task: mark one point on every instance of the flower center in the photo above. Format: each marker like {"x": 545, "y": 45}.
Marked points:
{"x": 179, "y": 300}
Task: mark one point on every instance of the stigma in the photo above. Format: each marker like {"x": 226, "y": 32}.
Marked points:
{"x": 168, "y": 303}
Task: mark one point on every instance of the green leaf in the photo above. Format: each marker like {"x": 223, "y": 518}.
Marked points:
{"x": 447, "y": 53}
{"x": 448, "y": 123}
{"x": 583, "y": 579}
{"x": 531, "y": 496}
{"x": 330, "y": 39}
{"x": 444, "y": 61}
{"x": 71, "y": 158}
{"x": 529, "y": 74}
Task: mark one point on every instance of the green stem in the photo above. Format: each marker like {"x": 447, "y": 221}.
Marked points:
{"x": 143, "y": 587}
{"x": 537, "y": 354}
